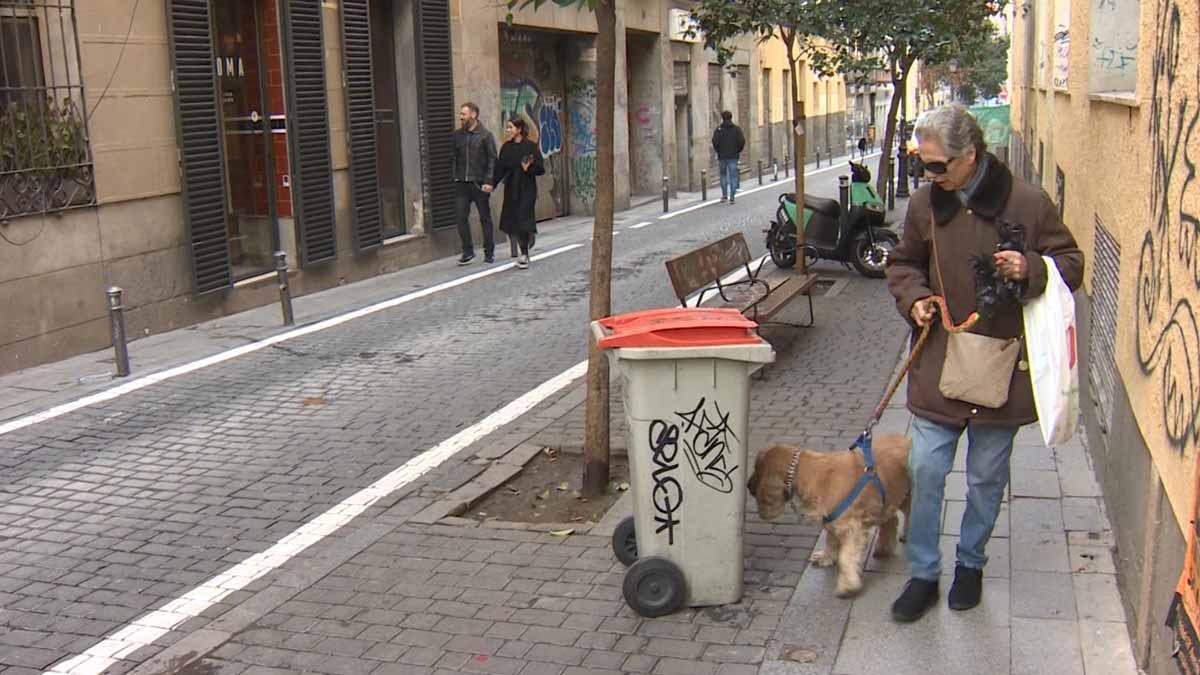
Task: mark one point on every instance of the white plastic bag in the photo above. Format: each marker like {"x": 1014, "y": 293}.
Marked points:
{"x": 1050, "y": 333}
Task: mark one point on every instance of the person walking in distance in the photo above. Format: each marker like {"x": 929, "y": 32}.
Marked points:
{"x": 471, "y": 166}
{"x": 729, "y": 142}
{"x": 519, "y": 165}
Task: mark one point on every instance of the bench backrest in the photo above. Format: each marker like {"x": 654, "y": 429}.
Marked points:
{"x": 702, "y": 267}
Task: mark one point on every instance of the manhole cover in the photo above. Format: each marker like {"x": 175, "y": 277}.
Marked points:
{"x": 799, "y": 654}
{"x": 822, "y": 286}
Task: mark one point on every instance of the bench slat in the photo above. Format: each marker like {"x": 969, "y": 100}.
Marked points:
{"x": 701, "y": 268}
{"x": 784, "y": 288}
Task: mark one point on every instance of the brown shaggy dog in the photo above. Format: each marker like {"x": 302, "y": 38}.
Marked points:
{"x": 822, "y": 481}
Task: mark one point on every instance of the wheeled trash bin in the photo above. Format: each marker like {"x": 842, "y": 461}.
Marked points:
{"x": 686, "y": 376}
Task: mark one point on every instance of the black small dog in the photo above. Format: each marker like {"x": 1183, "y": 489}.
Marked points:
{"x": 991, "y": 288}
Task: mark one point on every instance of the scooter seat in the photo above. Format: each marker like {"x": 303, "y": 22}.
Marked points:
{"x": 829, "y": 207}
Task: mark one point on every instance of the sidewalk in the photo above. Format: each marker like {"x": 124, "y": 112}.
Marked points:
{"x": 1050, "y": 602}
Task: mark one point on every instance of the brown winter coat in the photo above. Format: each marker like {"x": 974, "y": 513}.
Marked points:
{"x": 963, "y": 231}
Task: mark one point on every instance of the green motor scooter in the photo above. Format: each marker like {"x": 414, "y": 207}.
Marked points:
{"x": 851, "y": 230}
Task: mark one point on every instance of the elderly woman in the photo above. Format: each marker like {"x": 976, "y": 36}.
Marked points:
{"x": 975, "y": 236}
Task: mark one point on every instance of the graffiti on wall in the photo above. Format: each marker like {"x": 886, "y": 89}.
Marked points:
{"x": 1114, "y": 45}
{"x": 581, "y": 113}
{"x": 523, "y": 98}
{"x": 1168, "y": 335}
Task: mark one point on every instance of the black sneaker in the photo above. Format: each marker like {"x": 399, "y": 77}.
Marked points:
{"x": 733, "y": 200}
{"x": 489, "y": 258}
{"x": 466, "y": 259}
{"x": 918, "y": 596}
{"x": 967, "y": 587}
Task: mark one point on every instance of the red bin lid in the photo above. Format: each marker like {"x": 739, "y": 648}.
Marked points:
{"x": 679, "y": 327}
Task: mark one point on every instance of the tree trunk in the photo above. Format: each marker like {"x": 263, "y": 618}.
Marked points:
{"x": 801, "y": 149}
{"x": 596, "y": 430}
{"x": 899, "y": 82}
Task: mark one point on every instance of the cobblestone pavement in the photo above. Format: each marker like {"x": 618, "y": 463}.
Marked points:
{"x": 117, "y": 509}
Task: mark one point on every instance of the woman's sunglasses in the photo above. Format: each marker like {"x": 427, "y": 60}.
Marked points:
{"x": 936, "y": 167}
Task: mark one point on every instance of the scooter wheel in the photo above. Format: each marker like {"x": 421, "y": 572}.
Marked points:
{"x": 624, "y": 542}
{"x": 870, "y": 259}
{"x": 654, "y": 587}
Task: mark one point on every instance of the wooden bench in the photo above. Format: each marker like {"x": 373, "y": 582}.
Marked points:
{"x": 758, "y": 296}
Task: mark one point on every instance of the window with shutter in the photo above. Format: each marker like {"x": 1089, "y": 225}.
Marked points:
{"x": 308, "y": 130}
{"x": 202, "y": 165}
{"x": 437, "y": 110}
{"x": 360, "y": 124}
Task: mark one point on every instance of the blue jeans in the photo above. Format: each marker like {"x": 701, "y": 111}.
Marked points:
{"x": 730, "y": 180}
{"x": 931, "y": 460}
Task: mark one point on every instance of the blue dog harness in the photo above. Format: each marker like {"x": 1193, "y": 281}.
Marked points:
{"x": 869, "y": 475}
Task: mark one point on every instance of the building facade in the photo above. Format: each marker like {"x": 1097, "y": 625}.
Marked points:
{"x": 171, "y": 148}
{"x": 1105, "y": 118}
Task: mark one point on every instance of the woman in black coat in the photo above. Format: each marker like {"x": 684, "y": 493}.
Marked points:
{"x": 519, "y": 164}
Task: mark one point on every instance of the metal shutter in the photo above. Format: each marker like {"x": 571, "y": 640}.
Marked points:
{"x": 201, "y": 159}
{"x": 1102, "y": 348}
{"x": 437, "y": 110}
{"x": 360, "y": 124}
{"x": 308, "y": 130}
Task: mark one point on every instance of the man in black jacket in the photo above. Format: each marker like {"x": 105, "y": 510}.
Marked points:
{"x": 729, "y": 142}
{"x": 471, "y": 166}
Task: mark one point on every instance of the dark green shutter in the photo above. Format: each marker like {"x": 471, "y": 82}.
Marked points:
{"x": 308, "y": 130}
{"x": 437, "y": 110}
{"x": 201, "y": 161}
{"x": 360, "y": 124}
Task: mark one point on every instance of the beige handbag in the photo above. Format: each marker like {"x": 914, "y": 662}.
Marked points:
{"x": 978, "y": 369}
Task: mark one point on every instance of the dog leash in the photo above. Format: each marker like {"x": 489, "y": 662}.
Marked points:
{"x": 863, "y": 442}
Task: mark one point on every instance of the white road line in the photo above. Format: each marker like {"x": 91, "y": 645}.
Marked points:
{"x": 143, "y": 382}
{"x": 640, "y": 225}
{"x": 144, "y": 630}
{"x": 149, "y": 627}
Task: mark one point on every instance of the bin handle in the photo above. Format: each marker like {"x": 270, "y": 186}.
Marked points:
{"x": 598, "y": 332}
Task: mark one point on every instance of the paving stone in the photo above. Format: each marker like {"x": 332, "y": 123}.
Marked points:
{"x": 1106, "y": 648}
{"x": 1035, "y": 483}
{"x": 1098, "y": 598}
{"x": 1040, "y": 551}
{"x": 1083, "y": 514}
{"x": 1043, "y": 595}
{"x": 1045, "y": 646}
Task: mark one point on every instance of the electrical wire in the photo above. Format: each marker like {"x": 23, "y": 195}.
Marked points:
{"x": 120, "y": 56}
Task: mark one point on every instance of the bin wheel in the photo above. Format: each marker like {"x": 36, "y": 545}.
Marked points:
{"x": 654, "y": 587}
{"x": 624, "y": 542}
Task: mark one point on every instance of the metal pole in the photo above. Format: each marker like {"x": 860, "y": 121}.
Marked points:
{"x": 285, "y": 293}
{"x": 776, "y": 177}
{"x": 116, "y": 321}
{"x": 703, "y": 185}
{"x": 760, "y": 182}
{"x": 818, "y": 158}
{"x": 666, "y": 193}
{"x": 844, "y": 193}
{"x": 891, "y": 187}
{"x": 902, "y": 164}
{"x": 787, "y": 166}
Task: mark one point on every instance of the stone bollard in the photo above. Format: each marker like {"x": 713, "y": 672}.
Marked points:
{"x": 285, "y": 292}
{"x": 116, "y": 320}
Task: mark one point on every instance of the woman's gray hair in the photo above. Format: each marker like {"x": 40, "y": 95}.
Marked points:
{"x": 953, "y": 127}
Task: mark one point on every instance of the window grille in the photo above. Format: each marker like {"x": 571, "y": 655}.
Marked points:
{"x": 45, "y": 159}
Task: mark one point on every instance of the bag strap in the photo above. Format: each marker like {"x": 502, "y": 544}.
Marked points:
{"x": 936, "y": 263}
